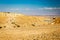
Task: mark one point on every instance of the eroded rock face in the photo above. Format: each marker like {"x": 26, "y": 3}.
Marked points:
{"x": 15, "y": 26}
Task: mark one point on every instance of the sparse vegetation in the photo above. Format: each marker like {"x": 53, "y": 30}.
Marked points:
{"x": 0, "y": 27}
{"x": 8, "y": 12}
{"x": 33, "y": 24}
{"x": 4, "y": 26}
{"x": 45, "y": 36}
{"x": 26, "y": 32}
{"x": 56, "y": 20}
{"x": 17, "y": 25}
{"x": 13, "y": 22}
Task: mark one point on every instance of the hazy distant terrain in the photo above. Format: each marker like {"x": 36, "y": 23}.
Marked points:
{"x": 15, "y": 26}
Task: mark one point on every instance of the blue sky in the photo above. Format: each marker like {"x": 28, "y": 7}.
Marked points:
{"x": 31, "y": 7}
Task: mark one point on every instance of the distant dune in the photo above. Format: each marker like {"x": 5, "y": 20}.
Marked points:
{"x": 14, "y": 26}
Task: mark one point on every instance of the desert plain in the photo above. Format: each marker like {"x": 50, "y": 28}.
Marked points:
{"x": 16, "y": 26}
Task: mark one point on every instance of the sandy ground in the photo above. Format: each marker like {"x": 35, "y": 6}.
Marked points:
{"x": 21, "y": 27}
